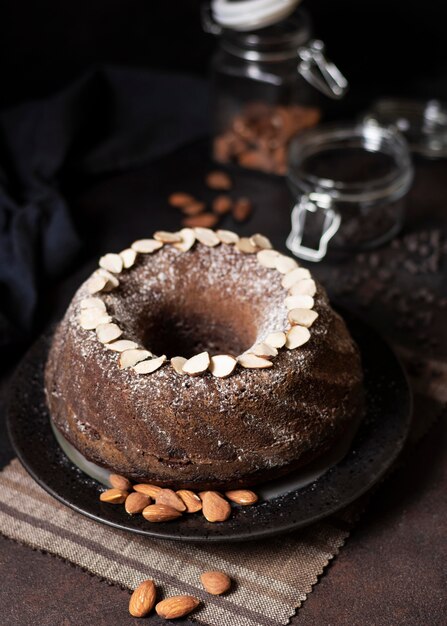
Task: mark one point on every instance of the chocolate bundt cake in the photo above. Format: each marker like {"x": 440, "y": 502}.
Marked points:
{"x": 199, "y": 360}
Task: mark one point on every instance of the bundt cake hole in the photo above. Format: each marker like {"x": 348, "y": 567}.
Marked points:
{"x": 174, "y": 332}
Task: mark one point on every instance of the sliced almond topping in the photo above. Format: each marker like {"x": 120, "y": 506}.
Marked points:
{"x": 108, "y": 332}
{"x": 299, "y": 302}
{"x": 121, "y": 345}
{"x": 93, "y": 303}
{"x": 296, "y": 337}
{"x": 146, "y": 246}
{"x": 252, "y": 361}
{"x": 112, "y": 280}
{"x": 177, "y": 363}
{"x": 128, "y": 256}
{"x": 197, "y": 364}
{"x": 261, "y": 242}
{"x": 302, "y": 317}
{"x": 306, "y": 287}
{"x": 222, "y": 365}
{"x": 276, "y": 339}
{"x": 264, "y": 349}
{"x": 244, "y": 497}
{"x": 245, "y": 245}
{"x": 89, "y": 319}
{"x": 207, "y": 236}
{"x": 285, "y": 264}
{"x": 299, "y": 273}
{"x": 188, "y": 240}
{"x": 112, "y": 263}
{"x": 227, "y": 236}
{"x": 165, "y": 237}
{"x": 191, "y": 500}
{"x": 147, "y": 367}
{"x": 129, "y": 358}
{"x": 170, "y": 498}
{"x": 96, "y": 284}
{"x": 268, "y": 258}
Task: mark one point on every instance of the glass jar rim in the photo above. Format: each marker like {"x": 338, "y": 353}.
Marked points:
{"x": 370, "y": 137}
{"x": 273, "y": 43}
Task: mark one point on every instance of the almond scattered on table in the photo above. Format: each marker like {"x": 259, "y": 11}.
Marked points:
{"x": 176, "y": 606}
{"x": 180, "y": 199}
{"x": 195, "y": 208}
{"x": 218, "y": 180}
{"x": 215, "y": 582}
{"x": 142, "y": 601}
{"x": 222, "y": 204}
{"x": 242, "y": 209}
{"x": 205, "y": 220}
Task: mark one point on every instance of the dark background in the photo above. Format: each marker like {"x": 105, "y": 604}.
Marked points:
{"x": 384, "y": 47}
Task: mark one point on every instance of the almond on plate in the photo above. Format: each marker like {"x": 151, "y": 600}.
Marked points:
{"x": 160, "y": 513}
{"x": 136, "y": 503}
{"x": 120, "y": 482}
{"x": 244, "y": 497}
{"x": 113, "y": 496}
{"x": 170, "y": 498}
{"x": 214, "y": 507}
{"x": 191, "y": 500}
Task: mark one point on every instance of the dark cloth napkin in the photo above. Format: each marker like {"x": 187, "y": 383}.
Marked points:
{"x": 110, "y": 119}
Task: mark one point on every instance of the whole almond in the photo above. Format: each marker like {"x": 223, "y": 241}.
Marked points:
{"x": 113, "y": 496}
{"x": 136, "y": 503}
{"x": 242, "y": 209}
{"x": 218, "y": 180}
{"x": 214, "y": 507}
{"x": 191, "y": 500}
{"x": 170, "y": 498}
{"x": 205, "y": 220}
{"x": 215, "y": 582}
{"x": 222, "y": 204}
{"x": 120, "y": 482}
{"x": 142, "y": 601}
{"x": 244, "y": 497}
{"x": 194, "y": 208}
{"x": 148, "y": 490}
{"x": 180, "y": 199}
{"x": 176, "y": 606}
{"x": 160, "y": 513}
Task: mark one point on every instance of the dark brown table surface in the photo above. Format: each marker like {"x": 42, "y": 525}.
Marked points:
{"x": 392, "y": 570}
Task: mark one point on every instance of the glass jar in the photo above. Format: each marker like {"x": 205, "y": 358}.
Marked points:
{"x": 350, "y": 182}
{"x": 267, "y": 85}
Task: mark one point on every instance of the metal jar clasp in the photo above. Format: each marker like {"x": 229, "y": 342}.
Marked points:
{"x": 320, "y": 72}
{"x": 313, "y": 202}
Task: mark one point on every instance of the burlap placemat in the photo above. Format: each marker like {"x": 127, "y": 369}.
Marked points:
{"x": 273, "y": 576}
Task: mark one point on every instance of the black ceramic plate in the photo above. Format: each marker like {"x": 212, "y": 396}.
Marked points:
{"x": 378, "y": 441}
